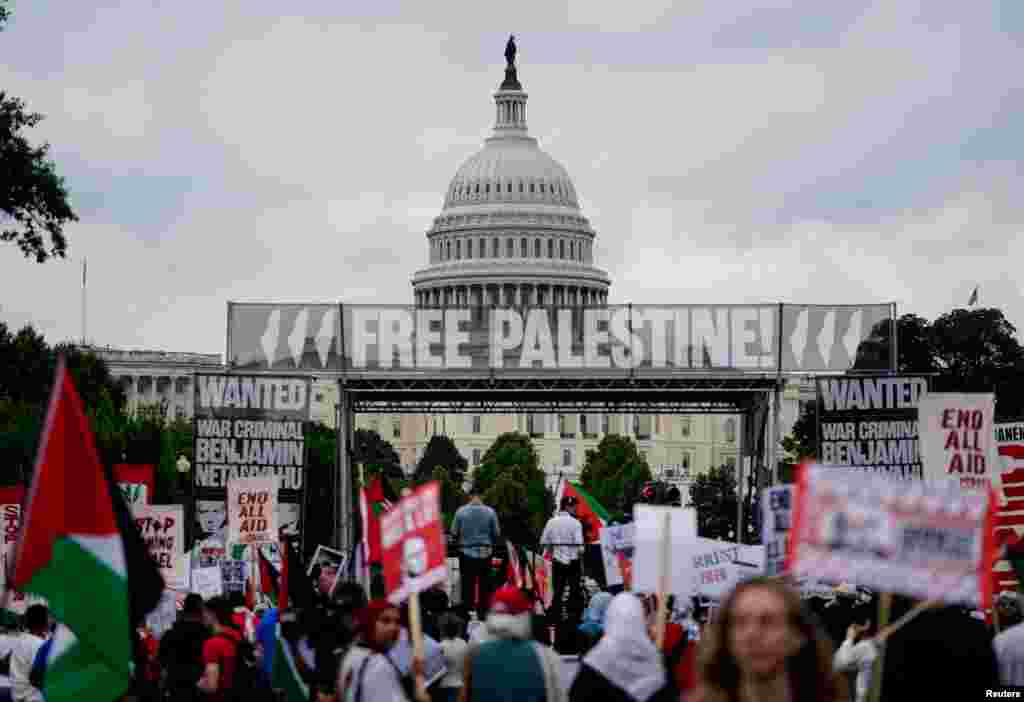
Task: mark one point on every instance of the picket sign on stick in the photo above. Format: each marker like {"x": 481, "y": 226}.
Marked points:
{"x": 416, "y": 629}
{"x": 884, "y": 610}
{"x": 666, "y": 555}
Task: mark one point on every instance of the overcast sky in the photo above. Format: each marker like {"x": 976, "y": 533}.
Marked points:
{"x": 724, "y": 151}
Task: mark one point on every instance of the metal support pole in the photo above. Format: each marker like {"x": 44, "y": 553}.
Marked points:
{"x": 343, "y": 498}
{"x": 773, "y": 452}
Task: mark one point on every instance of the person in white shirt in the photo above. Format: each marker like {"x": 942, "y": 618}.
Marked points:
{"x": 454, "y": 648}
{"x": 563, "y": 538}
{"x": 26, "y": 646}
{"x": 857, "y": 656}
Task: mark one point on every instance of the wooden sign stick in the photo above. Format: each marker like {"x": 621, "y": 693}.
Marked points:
{"x": 666, "y": 555}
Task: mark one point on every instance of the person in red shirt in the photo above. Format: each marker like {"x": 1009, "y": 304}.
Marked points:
{"x": 220, "y": 652}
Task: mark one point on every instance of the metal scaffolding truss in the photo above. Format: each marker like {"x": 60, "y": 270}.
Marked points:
{"x": 556, "y": 393}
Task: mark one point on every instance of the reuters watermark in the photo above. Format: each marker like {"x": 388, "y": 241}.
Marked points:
{"x": 1004, "y": 693}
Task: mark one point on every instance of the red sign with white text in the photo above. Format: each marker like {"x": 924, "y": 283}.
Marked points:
{"x": 412, "y": 544}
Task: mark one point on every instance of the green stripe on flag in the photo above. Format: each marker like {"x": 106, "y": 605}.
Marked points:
{"x": 285, "y": 676}
{"x": 92, "y": 600}
{"x": 595, "y": 506}
{"x": 77, "y": 673}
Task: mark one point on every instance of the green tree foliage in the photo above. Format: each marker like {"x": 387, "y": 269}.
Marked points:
{"x": 33, "y": 199}
{"x": 441, "y": 452}
{"x": 376, "y": 455}
{"x": 512, "y": 482}
{"x": 614, "y": 473}
{"x": 713, "y": 495}
{"x": 452, "y": 495}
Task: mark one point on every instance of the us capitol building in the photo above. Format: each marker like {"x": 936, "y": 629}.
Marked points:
{"x": 510, "y": 232}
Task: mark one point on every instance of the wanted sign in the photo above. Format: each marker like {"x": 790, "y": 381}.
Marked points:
{"x": 871, "y": 424}
{"x": 250, "y": 426}
{"x": 959, "y": 437}
{"x": 252, "y": 511}
{"x": 163, "y": 529}
{"x": 413, "y": 544}
{"x": 925, "y": 540}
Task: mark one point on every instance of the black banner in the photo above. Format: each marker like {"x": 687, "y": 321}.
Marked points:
{"x": 870, "y": 423}
{"x": 249, "y": 426}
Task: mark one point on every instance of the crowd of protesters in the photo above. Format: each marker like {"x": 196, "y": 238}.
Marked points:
{"x": 762, "y": 643}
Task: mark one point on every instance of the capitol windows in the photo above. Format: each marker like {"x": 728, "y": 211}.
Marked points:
{"x": 532, "y": 188}
{"x": 536, "y": 248}
{"x": 483, "y": 248}
{"x": 497, "y": 251}
{"x": 572, "y": 250}
{"x": 551, "y": 248}
{"x": 448, "y": 252}
{"x": 511, "y": 248}
{"x": 520, "y": 186}
{"x": 510, "y": 186}
{"x": 561, "y": 249}
{"x": 469, "y": 248}
{"x": 730, "y": 430}
{"x": 542, "y": 188}
{"x": 487, "y": 189}
{"x": 458, "y": 249}
{"x": 478, "y": 188}
{"x": 524, "y": 250}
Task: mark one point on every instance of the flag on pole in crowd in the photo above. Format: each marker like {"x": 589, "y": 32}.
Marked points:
{"x": 589, "y": 511}
{"x": 515, "y": 572}
{"x": 974, "y": 297}
{"x": 282, "y": 595}
{"x": 80, "y": 550}
{"x": 374, "y": 500}
{"x": 285, "y": 674}
{"x": 269, "y": 582}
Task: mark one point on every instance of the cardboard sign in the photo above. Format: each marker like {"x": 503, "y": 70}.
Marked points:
{"x": 719, "y": 566}
{"x": 776, "y": 521}
{"x": 647, "y": 537}
{"x": 10, "y": 510}
{"x": 207, "y": 582}
{"x": 925, "y": 540}
{"x": 252, "y": 511}
{"x": 617, "y": 553}
{"x": 163, "y": 529}
{"x": 233, "y": 575}
{"x": 957, "y": 435}
{"x": 1010, "y": 520}
{"x": 413, "y": 544}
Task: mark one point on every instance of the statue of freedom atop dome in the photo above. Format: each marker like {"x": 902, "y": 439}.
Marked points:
{"x": 510, "y": 51}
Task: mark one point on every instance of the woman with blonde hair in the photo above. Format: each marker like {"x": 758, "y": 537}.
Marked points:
{"x": 765, "y": 646}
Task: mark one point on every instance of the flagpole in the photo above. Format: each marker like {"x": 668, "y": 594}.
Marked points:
{"x": 85, "y": 327}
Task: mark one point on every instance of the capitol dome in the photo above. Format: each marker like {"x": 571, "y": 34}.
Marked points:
{"x": 511, "y": 231}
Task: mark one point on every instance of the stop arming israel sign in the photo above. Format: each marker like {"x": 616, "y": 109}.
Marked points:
{"x": 927, "y": 540}
{"x": 412, "y": 544}
{"x": 252, "y": 511}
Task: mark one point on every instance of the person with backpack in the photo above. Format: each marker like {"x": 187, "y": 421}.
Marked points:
{"x": 367, "y": 673}
{"x": 229, "y": 659}
{"x": 181, "y": 652}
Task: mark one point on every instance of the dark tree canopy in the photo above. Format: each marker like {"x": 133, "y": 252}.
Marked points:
{"x": 441, "y": 452}
{"x": 713, "y": 495}
{"x": 33, "y": 200}
{"x": 375, "y": 454}
{"x": 615, "y": 473}
{"x": 512, "y": 482}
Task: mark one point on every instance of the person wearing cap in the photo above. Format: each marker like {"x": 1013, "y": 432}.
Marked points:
{"x": 476, "y": 531}
{"x": 563, "y": 538}
{"x": 508, "y": 666}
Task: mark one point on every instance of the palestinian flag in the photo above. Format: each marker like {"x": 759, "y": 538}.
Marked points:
{"x": 80, "y": 550}
{"x": 374, "y": 500}
{"x": 589, "y": 511}
{"x": 268, "y": 578}
{"x": 285, "y": 675}
{"x": 515, "y": 571}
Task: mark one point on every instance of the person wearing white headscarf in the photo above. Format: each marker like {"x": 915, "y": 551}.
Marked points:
{"x": 625, "y": 665}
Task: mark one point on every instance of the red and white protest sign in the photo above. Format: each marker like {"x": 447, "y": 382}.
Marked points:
{"x": 927, "y": 540}
{"x": 252, "y": 511}
{"x": 957, "y": 438}
{"x": 10, "y": 509}
{"x": 163, "y": 529}
{"x": 412, "y": 544}
{"x": 1010, "y": 519}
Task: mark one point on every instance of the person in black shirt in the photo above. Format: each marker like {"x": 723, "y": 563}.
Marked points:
{"x": 181, "y": 652}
